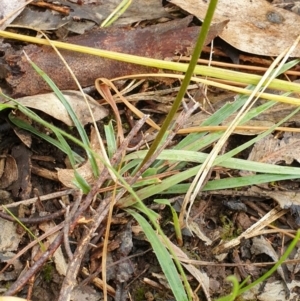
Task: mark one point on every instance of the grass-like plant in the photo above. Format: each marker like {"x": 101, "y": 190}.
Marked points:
{"x": 239, "y": 289}
{"x": 188, "y": 150}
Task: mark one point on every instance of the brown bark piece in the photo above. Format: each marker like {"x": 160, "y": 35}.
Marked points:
{"x": 158, "y": 41}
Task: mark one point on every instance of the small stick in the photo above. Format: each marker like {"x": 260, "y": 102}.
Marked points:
{"x": 66, "y": 230}
{"x": 21, "y": 282}
{"x": 179, "y": 122}
{"x": 66, "y": 234}
{"x": 33, "y": 220}
{"x": 32, "y": 244}
{"x": 73, "y": 268}
{"x": 98, "y": 216}
{"x": 41, "y": 198}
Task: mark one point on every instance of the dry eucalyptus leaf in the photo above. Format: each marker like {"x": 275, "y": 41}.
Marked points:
{"x": 21, "y": 188}
{"x": 42, "y": 20}
{"x": 274, "y": 150}
{"x": 85, "y": 293}
{"x": 10, "y": 274}
{"x": 273, "y": 290}
{"x": 7, "y": 8}
{"x": 24, "y": 136}
{"x": 261, "y": 245}
{"x": 84, "y": 17}
{"x": 285, "y": 199}
{"x": 194, "y": 227}
{"x": 255, "y": 26}
{"x": 174, "y": 37}
{"x": 9, "y": 237}
{"x": 50, "y": 104}
{"x": 276, "y": 290}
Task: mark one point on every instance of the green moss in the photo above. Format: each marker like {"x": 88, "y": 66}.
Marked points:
{"x": 229, "y": 231}
{"x": 47, "y": 272}
{"x": 139, "y": 293}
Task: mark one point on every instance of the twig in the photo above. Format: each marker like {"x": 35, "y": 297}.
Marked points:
{"x": 33, "y": 220}
{"x": 19, "y": 284}
{"x": 66, "y": 234}
{"x": 98, "y": 270}
{"x": 74, "y": 215}
{"x": 41, "y": 198}
{"x": 99, "y": 215}
{"x": 73, "y": 268}
{"x": 179, "y": 122}
{"x": 77, "y": 200}
{"x": 32, "y": 244}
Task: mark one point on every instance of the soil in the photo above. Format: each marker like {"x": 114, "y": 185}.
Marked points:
{"x": 132, "y": 271}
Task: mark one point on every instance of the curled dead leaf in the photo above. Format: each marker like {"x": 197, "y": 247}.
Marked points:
{"x": 8, "y": 171}
{"x": 51, "y": 105}
{"x": 274, "y": 150}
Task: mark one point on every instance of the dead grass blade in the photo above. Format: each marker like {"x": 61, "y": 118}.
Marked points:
{"x": 205, "y": 168}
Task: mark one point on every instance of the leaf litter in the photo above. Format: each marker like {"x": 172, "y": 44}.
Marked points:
{"x": 218, "y": 223}
{"x": 256, "y": 27}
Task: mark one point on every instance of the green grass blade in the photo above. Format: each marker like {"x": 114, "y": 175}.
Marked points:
{"x": 23, "y": 125}
{"x": 129, "y": 165}
{"x": 163, "y": 257}
{"x": 235, "y": 289}
{"x": 118, "y": 11}
{"x": 188, "y": 75}
{"x": 73, "y": 116}
{"x": 218, "y": 117}
{"x": 228, "y": 183}
{"x": 110, "y": 139}
{"x": 5, "y": 106}
{"x": 81, "y": 183}
{"x": 177, "y": 227}
{"x": 38, "y": 119}
{"x": 42, "y": 246}
{"x": 171, "y": 184}
{"x": 67, "y": 147}
{"x": 191, "y": 142}
{"x": 209, "y": 71}
{"x": 233, "y": 163}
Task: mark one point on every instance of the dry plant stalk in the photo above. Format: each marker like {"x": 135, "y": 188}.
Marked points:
{"x": 205, "y": 168}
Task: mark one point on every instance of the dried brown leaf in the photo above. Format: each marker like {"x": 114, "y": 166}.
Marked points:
{"x": 274, "y": 150}
{"x": 255, "y": 26}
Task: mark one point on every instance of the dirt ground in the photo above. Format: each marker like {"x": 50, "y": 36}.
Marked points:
{"x": 34, "y": 193}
